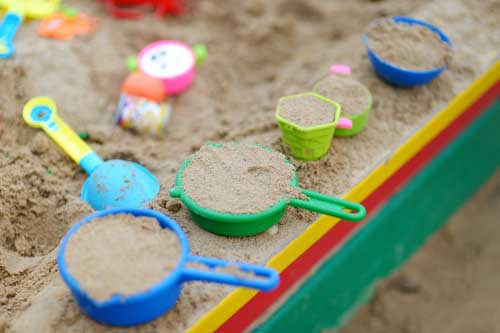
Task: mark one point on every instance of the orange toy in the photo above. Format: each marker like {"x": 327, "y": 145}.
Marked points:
{"x": 141, "y": 85}
{"x": 64, "y": 26}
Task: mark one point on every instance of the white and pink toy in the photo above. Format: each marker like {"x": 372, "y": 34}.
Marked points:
{"x": 173, "y": 62}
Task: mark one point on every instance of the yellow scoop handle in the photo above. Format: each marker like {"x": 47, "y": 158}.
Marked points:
{"x": 41, "y": 112}
{"x": 35, "y": 9}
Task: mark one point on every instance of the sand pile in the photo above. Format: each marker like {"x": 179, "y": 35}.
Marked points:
{"x": 238, "y": 178}
{"x": 307, "y": 111}
{"x": 35, "y": 211}
{"x": 258, "y": 51}
{"x": 352, "y": 96}
{"x": 121, "y": 255}
{"x": 408, "y": 46}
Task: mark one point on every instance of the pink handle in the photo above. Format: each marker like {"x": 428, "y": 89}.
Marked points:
{"x": 344, "y": 123}
{"x": 341, "y": 69}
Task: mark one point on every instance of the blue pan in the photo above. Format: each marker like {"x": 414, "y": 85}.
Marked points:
{"x": 399, "y": 76}
{"x": 148, "y": 305}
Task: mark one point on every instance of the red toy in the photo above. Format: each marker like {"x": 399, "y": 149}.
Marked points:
{"x": 123, "y": 8}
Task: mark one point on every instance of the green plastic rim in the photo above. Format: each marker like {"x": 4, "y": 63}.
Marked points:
{"x": 307, "y": 143}
{"x": 311, "y": 129}
{"x": 229, "y": 224}
{"x": 226, "y": 223}
{"x": 359, "y": 120}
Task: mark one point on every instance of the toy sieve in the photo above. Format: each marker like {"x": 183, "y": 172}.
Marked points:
{"x": 307, "y": 143}
{"x": 404, "y": 77}
{"x": 145, "y": 306}
{"x": 228, "y": 224}
{"x": 114, "y": 183}
{"x": 17, "y": 10}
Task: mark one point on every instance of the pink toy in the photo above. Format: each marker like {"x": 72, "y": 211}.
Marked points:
{"x": 341, "y": 69}
{"x": 345, "y": 123}
{"x": 171, "y": 61}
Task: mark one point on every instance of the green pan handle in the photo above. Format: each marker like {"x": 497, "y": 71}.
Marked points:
{"x": 328, "y": 205}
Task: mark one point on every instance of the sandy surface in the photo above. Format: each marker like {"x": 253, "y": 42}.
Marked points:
{"x": 451, "y": 285}
{"x": 238, "y": 178}
{"x": 258, "y": 51}
{"x": 348, "y": 92}
{"x": 307, "y": 111}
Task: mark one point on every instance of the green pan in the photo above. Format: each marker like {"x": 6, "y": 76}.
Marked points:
{"x": 228, "y": 224}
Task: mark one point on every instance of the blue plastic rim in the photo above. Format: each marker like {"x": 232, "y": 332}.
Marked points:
{"x": 145, "y": 306}
{"x": 399, "y": 76}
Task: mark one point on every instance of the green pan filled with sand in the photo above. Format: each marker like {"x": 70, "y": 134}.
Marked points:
{"x": 238, "y": 189}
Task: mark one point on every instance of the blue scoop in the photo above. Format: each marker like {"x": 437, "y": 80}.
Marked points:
{"x": 110, "y": 184}
{"x": 121, "y": 310}
{"x": 404, "y": 77}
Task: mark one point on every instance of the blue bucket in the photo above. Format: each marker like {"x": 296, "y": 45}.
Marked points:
{"x": 399, "y": 76}
{"x": 145, "y": 306}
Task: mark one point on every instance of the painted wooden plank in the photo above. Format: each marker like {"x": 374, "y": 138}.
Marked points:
{"x": 399, "y": 229}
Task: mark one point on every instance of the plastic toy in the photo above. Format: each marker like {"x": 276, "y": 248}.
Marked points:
{"x": 122, "y": 8}
{"x": 358, "y": 121}
{"x": 148, "y": 305}
{"x": 114, "y": 183}
{"x": 17, "y": 10}
{"x": 140, "y": 84}
{"x": 228, "y": 224}
{"x": 399, "y": 76}
{"x": 173, "y": 62}
{"x": 312, "y": 143}
{"x": 66, "y": 25}
{"x": 341, "y": 69}
{"x": 142, "y": 105}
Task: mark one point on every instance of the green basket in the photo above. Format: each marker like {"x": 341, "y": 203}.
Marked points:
{"x": 359, "y": 120}
{"x": 311, "y": 143}
{"x": 228, "y": 224}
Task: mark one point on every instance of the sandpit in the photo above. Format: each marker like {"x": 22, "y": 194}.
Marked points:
{"x": 258, "y": 52}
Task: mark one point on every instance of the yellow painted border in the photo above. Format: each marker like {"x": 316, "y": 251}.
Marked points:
{"x": 213, "y": 319}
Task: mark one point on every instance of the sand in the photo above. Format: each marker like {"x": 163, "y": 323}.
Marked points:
{"x": 451, "y": 285}
{"x": 307, "y": 111}
{"x": 408, "y": 46}
{"x": 121, "y": 255}
{"x": 352, "y": 96}
{"x": 258, "y": 51}
{"x": 238, "y": 178}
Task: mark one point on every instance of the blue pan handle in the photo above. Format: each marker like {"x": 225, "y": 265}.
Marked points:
{"x": 8, "y": 28}
{"x": 264, "y": 278}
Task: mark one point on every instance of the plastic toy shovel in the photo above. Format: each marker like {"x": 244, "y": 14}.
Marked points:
{"x": 110, "y": 184}
{"x": 16, "y": 11}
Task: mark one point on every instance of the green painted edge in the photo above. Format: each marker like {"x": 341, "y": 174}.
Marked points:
{"x": 346, "y": 280}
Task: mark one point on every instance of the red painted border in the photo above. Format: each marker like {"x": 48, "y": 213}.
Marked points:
{"x": 333, "y": 238}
